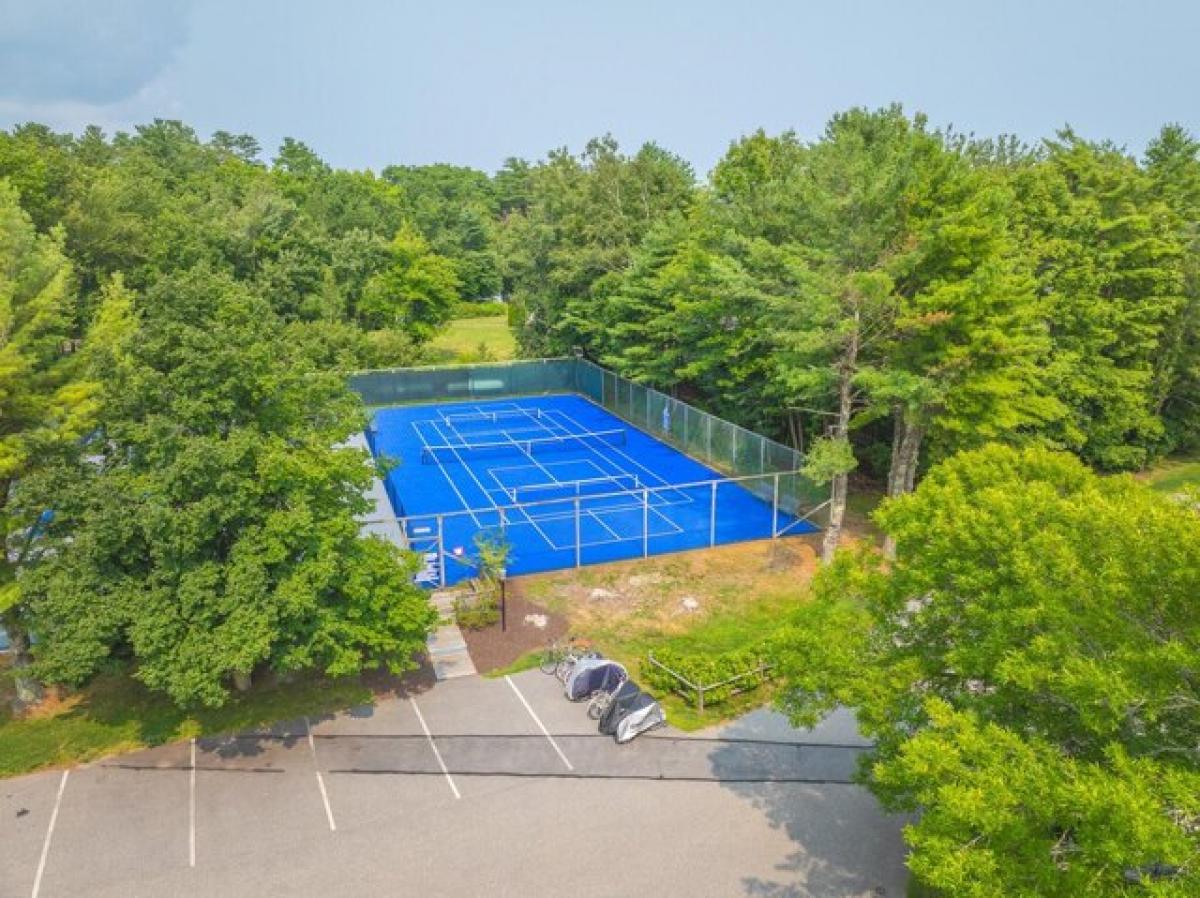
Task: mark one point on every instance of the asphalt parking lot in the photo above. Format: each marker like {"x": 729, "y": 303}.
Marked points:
{"x": 469, "y": 787}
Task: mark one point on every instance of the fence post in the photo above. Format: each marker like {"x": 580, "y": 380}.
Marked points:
{"x": 733, "y": 465}
{"x": 762, "y": 456}
{"x": 700, "y": 699}
{"x": 712, "y": 517}
{"x": 577, "y": 541}
{"x": 775, "y": 507}
{"x": 441, "y": 553}
{"x": 649, "y": 426}
{"x": 645, "y": 523}
{"x": 708, "y": 437}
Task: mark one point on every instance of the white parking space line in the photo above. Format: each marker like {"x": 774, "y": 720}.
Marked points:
{"x": 320, "y": 780}
{"x": 41, "y": 867}
{"x": 538, "y": 721}
{"x": 437, "y": 754}
{"x": 192, "y": 809}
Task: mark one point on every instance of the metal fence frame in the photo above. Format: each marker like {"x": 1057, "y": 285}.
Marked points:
{"x": 768, "y": 489}
{"x": 765, "y": 467}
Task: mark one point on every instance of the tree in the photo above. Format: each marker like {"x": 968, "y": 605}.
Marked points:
{"x": 907, "y": 297}
{"x": 1027, "y": 672}
{"x": 455, "y": 209}
{"x": 415, "y": 293}
{"x": 1173, "y": 164}
{"x": 1107, "y": 259}
{"x": 295, "y": 158}
{"x": 213, "y": 531}
{"x": 575, "y": 237}
{"x": 44, "y": 406}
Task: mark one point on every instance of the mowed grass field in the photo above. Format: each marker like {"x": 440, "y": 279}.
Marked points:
{"x": 1175, "y": 474}
{"x": 486, "y": 338}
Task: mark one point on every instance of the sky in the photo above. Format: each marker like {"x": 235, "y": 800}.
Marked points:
{"x": 367, "y": 83}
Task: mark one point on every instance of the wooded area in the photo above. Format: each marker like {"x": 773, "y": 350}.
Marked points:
{"x": 177, "y": 316}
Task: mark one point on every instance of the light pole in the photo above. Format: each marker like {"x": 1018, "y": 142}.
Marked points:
{"x": 503, "y": 601}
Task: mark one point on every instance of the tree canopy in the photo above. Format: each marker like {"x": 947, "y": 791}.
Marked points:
{"x": 1028, "y": 671}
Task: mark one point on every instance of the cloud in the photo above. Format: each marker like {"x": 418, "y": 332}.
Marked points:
{"x": 76, "y": 51}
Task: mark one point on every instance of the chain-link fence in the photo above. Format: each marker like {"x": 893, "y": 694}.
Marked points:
{"x": 751, "y": 464}
{"x": 720, "y": 444}
{"x": 562, "y": 533}
{"x": 401, "y": 386}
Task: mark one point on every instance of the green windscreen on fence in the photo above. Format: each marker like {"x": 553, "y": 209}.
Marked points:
{"x": 400, "y": 386}
{"x": 721, "y": 444}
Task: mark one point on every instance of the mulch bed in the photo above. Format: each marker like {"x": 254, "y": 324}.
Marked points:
{"x": 491, "y": 648}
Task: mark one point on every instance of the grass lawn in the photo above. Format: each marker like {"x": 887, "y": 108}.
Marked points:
{"x": 464, "y": 338}
{"x": 1173, "y": 475}
{"x": 116, "y": 713}
{"x": 630, "y": 608}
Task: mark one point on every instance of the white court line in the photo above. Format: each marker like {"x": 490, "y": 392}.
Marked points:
{"x": 312, "y": 746}
{"x": 604, "y": 525}
{"x": 538, "y": 721}
{"x": 484, "y": 489}
{"x": 192, "y": 809}
{"x": 442, "y": 468}
{"x": 664, "y": 483}
{"x": 437, "y": 754}
{"x": 41, "y": 867}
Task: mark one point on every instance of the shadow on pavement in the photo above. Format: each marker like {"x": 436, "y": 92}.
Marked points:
{"x": 845, "y": 844}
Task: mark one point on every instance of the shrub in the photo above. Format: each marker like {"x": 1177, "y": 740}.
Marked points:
{"x": 479, "y": 309}
{"x": 703, "y": 669}
{"x": 477, "y": 610}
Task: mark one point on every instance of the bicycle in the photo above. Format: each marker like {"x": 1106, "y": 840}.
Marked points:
{"x": 601, "y": 699}
{"x": 562, "y": 652}
{"x": 566, "y": 664}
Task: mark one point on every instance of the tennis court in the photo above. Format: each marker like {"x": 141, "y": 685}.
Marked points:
{"x": 563, "y": 482}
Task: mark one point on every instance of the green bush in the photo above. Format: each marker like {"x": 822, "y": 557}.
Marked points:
{"x": 477, "y": 610}
{"x": 479, "y": 309}
{"x": 702, "y": 669}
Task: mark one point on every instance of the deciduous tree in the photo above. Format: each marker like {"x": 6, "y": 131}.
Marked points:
{"x": 1028, "y": 672}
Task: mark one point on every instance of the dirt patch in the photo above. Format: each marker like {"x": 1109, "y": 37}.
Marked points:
{"x": 530, "y": 627}
{"x": 668, "y": 594}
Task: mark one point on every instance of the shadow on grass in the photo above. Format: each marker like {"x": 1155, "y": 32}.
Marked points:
{"x": 115, "y": 713}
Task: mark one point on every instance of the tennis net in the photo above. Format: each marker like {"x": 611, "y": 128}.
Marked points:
{"x": 505, "y": 414}
{"x": 449, "y": 453}
{"x": 570, "y": 489}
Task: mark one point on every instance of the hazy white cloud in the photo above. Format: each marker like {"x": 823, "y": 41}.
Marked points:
{"x": 59, "y": 55}
{"x": 154, "y": 100}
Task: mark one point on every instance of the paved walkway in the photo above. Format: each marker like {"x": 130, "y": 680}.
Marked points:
{"x": 447, "y": 649}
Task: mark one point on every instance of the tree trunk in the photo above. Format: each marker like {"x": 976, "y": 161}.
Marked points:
{"x": 29, "y": 690}
{"x": 906, "y": 452}
{"x": 840, "y": 485}
{"x": 241, "y": 680}
{"x": 837, "y": 515}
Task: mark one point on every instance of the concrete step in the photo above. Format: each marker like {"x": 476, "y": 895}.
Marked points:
{"x": 448, "y": 653}
{"x": 447, "y": 667}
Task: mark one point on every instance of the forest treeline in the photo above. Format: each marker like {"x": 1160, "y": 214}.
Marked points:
{"x": 177, "y": 500}
{"x": 881, "y": 296}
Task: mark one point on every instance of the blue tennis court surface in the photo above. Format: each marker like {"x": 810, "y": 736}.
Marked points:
{"x": 564, "y": 481}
